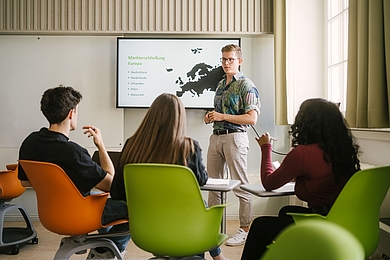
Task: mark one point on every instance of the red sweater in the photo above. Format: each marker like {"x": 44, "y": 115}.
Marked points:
{"x": 314, "y": 179}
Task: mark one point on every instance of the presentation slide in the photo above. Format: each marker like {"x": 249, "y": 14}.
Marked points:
{"x": 188, "y": 68}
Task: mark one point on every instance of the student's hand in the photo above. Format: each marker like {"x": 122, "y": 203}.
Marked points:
{"x": 95, "y": 132}
{"x": 265, "y": 139}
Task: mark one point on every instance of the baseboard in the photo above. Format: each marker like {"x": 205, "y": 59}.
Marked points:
{"x": 19, "y": 218}
{"x": 232, "y": 217}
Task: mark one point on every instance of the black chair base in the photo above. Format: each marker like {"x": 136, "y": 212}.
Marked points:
{"x": 13, "y": 237}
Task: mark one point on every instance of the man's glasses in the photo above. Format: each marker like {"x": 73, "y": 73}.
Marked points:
{"x": 228, "y": 60}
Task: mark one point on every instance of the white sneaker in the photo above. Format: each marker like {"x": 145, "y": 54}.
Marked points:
{"x": 238, "y": 239}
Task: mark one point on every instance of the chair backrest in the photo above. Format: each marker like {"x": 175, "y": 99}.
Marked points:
{"x": 10, "y": 186}
{"x": 114, "y": 156}
{"x": 167, "y": 214}
{"x": 315, "y": 239}
{"x": 357, "y": 207}
{"x": 61, "y": 207}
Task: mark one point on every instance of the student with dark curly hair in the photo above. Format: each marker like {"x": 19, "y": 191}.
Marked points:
{"x": 323, "y": 158}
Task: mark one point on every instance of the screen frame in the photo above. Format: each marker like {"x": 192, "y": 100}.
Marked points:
{"x": 118, "y": 53}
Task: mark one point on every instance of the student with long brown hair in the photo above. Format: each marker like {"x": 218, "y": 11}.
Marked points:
{"x": 161, "y": 138}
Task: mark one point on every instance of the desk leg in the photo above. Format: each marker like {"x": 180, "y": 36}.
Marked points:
{"x": 223, "y": 201}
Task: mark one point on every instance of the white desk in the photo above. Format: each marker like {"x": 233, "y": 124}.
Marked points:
{"x": 223, "y": 189}
{"x": 258, "y": 190}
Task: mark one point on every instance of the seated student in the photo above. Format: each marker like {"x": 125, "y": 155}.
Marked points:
{"x": 161, "y": 138}
{"x": 323, "y": 158}
{"x": 60, "y": 107}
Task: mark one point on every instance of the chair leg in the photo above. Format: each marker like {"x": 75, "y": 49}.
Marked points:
{"x": 26, "y": 219}
{"x": 69, "y": 247}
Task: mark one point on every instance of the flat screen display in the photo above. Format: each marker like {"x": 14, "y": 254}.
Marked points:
{"x": 190, "y": 68}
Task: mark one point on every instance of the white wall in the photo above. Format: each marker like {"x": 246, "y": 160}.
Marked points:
{"x": 375, "y": 147}
{"x": 31, "y": 64}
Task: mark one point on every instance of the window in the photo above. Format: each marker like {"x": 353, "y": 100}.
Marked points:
{"x": 306, "y": 56}
{"x": 337, "y": 21}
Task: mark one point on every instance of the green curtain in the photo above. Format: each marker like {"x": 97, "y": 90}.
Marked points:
{"x": 280, "y": 62}
{"x": 368, "y": 90}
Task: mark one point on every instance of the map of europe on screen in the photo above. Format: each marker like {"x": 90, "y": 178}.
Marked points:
{"x": 201, "y": 77}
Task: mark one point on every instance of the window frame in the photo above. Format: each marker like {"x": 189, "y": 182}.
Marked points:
{"x": 337, "y": 51}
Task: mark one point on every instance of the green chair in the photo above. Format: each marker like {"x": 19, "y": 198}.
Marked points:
{"x": 315, "y": 239}
{"x": 167, "y": 214}
{"x": 358, "y": 205}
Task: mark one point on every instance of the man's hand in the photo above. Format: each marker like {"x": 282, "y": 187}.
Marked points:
{"x": 215, "y": 116}
{"x": 250, "y": 118}
{"x": 207, "y": 118}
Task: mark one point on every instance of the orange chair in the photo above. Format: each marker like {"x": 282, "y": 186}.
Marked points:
{"x": 11, "y": 188}
{"x": 63, "y": 210}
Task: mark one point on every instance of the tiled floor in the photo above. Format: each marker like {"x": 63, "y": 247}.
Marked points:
{"x": 48, "y": 243}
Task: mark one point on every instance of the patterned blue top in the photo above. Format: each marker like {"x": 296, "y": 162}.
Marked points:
{"x": 237, "y": 98}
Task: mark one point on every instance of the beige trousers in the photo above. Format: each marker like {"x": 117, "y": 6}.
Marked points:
{"x": 231, "y": 150}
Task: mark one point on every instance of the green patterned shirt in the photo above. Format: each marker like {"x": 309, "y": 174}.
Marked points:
{"x": 237, "y": 98}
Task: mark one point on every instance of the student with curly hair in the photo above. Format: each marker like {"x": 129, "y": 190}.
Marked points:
{"x": 323, "y": 158}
